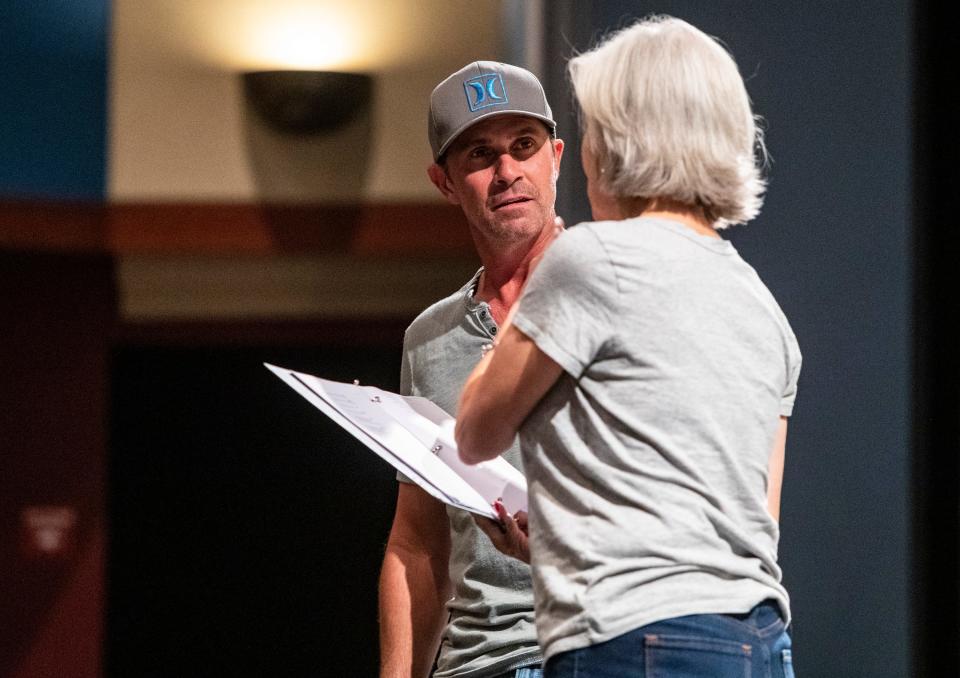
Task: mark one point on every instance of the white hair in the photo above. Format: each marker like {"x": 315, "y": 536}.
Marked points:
{"x": 666, "y": 115}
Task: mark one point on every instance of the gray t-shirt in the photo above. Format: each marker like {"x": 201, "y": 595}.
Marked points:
{"x": 491, "y": 627}
{"x": 647, "y": 460}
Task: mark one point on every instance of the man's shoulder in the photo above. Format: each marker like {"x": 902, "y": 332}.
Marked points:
{"x": 439, "y": 317}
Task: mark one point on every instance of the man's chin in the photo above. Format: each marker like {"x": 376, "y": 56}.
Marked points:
{"x": 516, "y": 229}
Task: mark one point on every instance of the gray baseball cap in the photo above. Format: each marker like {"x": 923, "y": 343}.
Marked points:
{"x": 479, "y": 91}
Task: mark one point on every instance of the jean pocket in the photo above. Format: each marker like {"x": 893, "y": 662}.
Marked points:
{"x": 786, "y": 661}
{"x": 695, "y": 657}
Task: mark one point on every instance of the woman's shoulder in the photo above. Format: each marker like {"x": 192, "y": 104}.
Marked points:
{"x": 586, "y": 234}
{"x": 605, "y": 238}
{"x": 578, "y": 247}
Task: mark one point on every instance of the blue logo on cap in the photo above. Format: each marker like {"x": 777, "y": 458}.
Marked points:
{"x": 485, "y": 90}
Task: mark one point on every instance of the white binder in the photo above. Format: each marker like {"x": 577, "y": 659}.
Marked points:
{"x": 416, "y": 437}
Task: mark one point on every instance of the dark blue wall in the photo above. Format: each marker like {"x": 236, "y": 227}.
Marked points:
{"x": 53, "y": 98}
{"x": 833, "y": 242}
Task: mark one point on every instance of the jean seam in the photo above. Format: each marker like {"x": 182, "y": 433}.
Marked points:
{"x": 767, "y": 631}
{"x": 651, "y": 642}
{"x": 697, "y": 643}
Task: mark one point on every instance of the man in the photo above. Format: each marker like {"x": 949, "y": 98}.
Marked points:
{"x": 496, "y": 156}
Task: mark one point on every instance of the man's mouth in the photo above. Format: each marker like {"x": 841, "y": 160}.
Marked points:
{"x": 511, "y": 201}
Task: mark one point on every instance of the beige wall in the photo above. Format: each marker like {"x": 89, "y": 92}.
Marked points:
{"x": 179, "y": 131}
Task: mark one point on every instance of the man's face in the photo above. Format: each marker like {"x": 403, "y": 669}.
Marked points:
{"x": 503, "y": 174}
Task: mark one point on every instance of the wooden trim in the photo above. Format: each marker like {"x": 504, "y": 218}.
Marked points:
{"x": 52, "y": 226}
{"x": 375, "y": 229}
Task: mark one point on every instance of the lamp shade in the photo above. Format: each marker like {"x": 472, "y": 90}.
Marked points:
{"x": 307, "y": 102}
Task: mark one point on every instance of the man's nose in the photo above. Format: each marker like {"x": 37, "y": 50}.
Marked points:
{"x": 508, "y": 169}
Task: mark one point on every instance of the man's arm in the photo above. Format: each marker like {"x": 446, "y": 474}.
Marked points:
{"x": 775, "y": 469}
{"x": 414, "y": 585}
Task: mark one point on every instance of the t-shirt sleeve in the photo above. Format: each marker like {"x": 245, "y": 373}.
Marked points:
{"x": 406, "y": 374}
{"x": 790, "y": 392}
{"x": 568, "y": 302}
{"x": 406, "y": 388}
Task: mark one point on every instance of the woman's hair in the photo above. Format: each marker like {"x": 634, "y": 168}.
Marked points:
{"x": 665, "y": 114}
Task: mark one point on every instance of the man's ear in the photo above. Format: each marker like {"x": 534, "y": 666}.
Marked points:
{"x": 558, "y": 151}
{"x": 441, "y": 180}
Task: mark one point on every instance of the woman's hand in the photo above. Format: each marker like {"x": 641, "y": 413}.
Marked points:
{"x": 509, "y": 534}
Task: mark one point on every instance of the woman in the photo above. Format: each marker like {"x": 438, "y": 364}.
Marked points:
{"x": 649, "y": 373}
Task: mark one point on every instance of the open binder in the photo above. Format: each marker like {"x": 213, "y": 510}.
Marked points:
{"x": 415, "y": 436}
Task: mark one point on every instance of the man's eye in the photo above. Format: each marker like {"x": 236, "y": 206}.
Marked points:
{"x": 524, "y": 145}
{"x": 480, "y": 152}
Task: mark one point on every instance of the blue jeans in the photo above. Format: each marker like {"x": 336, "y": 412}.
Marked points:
{"x": 525, "y": 672}
{"x": 754, "y": 645}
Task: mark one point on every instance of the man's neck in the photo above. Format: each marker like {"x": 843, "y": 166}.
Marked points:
{"x": 505, "y": 270}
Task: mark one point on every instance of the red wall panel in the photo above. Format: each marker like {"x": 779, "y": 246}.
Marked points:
{"x": 57, "y": 318}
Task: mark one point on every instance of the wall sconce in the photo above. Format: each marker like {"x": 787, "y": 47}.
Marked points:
{"x": 307, "y": 102}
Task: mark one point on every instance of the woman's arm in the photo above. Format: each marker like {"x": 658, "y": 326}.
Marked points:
{"x": 775, "y": 469}
{"x": 499, "y": 394}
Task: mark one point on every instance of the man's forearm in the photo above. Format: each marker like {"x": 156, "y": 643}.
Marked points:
{"x": 413, "y": 592}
